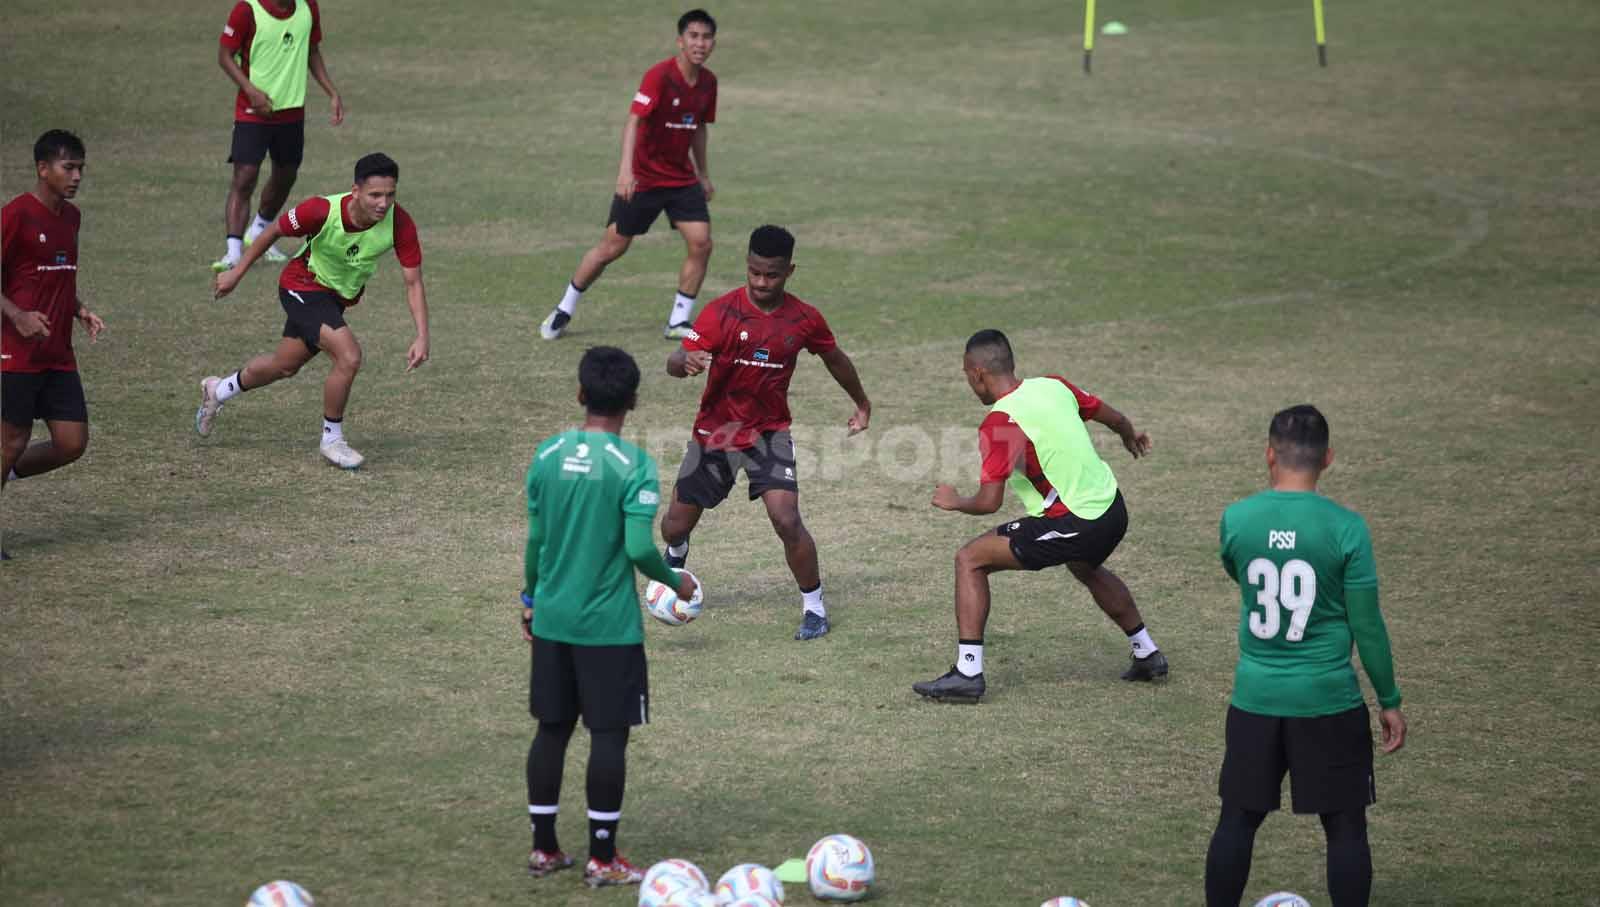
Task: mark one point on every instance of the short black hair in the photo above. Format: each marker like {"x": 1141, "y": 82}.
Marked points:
{"x": 1299, "y": 435}
{"x": 990, "y": 349}
{"x": 610, "y": 380}
{"x": 55, "y": 145}
{"x": 696, "y": 15}
{"x": 769, "y": 241}
{"x": 376, "y": 164}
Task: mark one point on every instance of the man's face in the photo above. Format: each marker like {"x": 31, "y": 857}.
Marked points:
{"x": 62, "y": 175}
{"x": 375, "y": 196}
{"x": 696, "y": 42}
{"x": 765, "y": 277}
{"x": 976, "y": 380}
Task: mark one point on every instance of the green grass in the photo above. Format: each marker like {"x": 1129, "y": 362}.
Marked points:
{"x": 223, "y": 663}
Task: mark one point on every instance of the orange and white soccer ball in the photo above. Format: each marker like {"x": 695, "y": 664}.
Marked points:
{"x": 839, "y": 868}
{"x": 664, "y": 605}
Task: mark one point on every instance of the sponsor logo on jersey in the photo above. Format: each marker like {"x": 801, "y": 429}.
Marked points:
{"x": 1281, "y": 539}
{"x": 353, "y": 251}
{"x": 642, "y": 98}
{"x": 691, "y": 334}
{"x": 227, "y": 30}
{"x": 687, "y": 123}
{"x": 288, "y": 39}
{"x": 649, "y": 498}
{"x": 294, "y": 219}
{"x": 762, "y": 355}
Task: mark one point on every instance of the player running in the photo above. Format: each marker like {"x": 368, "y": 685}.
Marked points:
{"x": 592, "y": 501}
{"x": 1308, "y": 588}
{"x": 267, "y": 48}
{"x": 664, "y": 168}
{"x": 1034, "y": 438}
{"x": 39, "y": 297}
{"x": 316, "y": 288}
{"x": 750, "y": 340}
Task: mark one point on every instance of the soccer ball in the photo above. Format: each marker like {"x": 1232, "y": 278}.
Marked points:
{"x": 280, "y": 894}
{"x": 747, "y": 879}
{"x": 755, "y": 900}
{"x": 681, "y": 868}
{"x": 665, "y": 606}
{"x": 839, "y": 868}
{"x": 688, "y": 897}
{"x": 1283, "y": 899}
{"x": 1064, "y": 902}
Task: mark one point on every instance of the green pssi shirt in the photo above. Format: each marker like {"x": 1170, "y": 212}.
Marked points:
{"x": 1295, "y": 554}
{"x": 583, "y": 487}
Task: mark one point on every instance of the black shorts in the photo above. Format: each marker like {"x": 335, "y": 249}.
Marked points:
{"x": 307, "y": 313}
{"x": 54, "y": 396}
{"x": 682, "y": 203}
{"x": 1039, "y": 542}
{"x": 252, "y": 142}
{"x": 706, "y": 476}
{"x": 609, "y": 686}
{"x": 1328, "y": 758}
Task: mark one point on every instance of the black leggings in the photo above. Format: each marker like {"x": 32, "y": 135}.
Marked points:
{"x": 1349, "y": 857}
{"x": 607, "y": 765}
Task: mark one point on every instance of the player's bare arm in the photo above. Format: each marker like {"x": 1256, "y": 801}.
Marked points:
{"x": 687, "y": 363}
{"x": 626, "y": 183}
{"x": 90, "y": 321}
{"x": 702, "y": 165}
{"x": 30, "y": 325}
{"x": 417, "y": 301}
{"x": 844, "y": 372}
{"x": 224, "y": 283}
{"x": 319, "y": 71}
{"x": 988, "y": 499}
{"x": 1137, "y": 442}
{"x": 259, "y": 102}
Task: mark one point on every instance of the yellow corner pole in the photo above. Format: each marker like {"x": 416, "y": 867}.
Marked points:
{"x": 1322, "y": 32}
{"x": 1088, "y": 31}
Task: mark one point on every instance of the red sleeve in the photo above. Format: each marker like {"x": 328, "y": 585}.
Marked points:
{"x": 650, "y": 88}
{"x": 707, "y": 333}
{"x": 819, "y": 337}
{"x": 241, "y": 28}
{"x": 1088, "y": 404}
{"x": 407, "y": 247}
{"x": 1001, "y": 446}
{"x": 316, "y": 23}
{"x": 306, "y": 218}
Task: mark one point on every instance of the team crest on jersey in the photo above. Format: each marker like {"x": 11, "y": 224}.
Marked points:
{"x": 288, "y": 40}
{"x": 789, "y": 341}
{"x": 42, "y": 238}
{"x": 353, "y": 251}
{"x": 743, "y": 335}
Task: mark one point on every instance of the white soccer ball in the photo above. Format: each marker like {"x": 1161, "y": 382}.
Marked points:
{"x": 839, "y": 868}
{"x": 747, "y": 879}
{"x": 280, "y": 894}
{"x": 1064, "y": 902}
{"x": 1283, "y": 899}
{"x": 684, "y": 870}
{"x": 690, "y": 897}
{"x": 755, "y": 900}
{"x": 665, "y": 606}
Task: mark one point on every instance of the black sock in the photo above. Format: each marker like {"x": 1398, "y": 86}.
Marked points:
{"x": 1349, "y": 858}
{"x": 546, "y": 756}
{"x": 608, "y": 769}
{"x": 1228, "y": 857}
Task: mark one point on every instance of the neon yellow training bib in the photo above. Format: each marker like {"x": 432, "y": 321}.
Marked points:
{"x": 1047, "y": 413}
{"x": 280, "y": 53}
{"x": 344, "y": 261}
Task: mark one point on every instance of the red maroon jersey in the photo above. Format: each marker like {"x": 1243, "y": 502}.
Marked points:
{"x": 1003, "y": 447}
{"x": 753, "y": 357}
{"x": 670, "y": 112}
{"x": 307, "y": 219}
{"x": 39, "y": 273}
{"x": 237, "y": 37}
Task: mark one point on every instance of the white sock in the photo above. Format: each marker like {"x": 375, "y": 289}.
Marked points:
{"x": 812, "y": 601}
{"x": 679, "y": 550}
{"x": 969, "y": 658}
{"x": 682, "y": 308}
{"x": 332, "y": 431}
{"x": 12, "y": 476}
{"x": 228, "y": 387}
{"x": 1143, "y": 645}
{"x": 235, "y": 248}
{"x": 256, "y": 226}
{"x": 569, "y": 300}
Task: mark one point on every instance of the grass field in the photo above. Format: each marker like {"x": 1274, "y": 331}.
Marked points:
{"x": 222, "y": 662}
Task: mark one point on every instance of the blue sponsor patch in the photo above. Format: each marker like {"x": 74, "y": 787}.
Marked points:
{"x": 61, "y": 258}
{"x": 762, "y": 355}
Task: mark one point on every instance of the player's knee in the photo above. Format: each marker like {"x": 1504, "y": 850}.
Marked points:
{"x": 1350, "y": 825}
{"x": 700, "y": 248}
{"x": 245, "y": 176}
{"x": 967, "y": 560}
{"x": 71, "y": 448}
{"x": 789, "y": 526}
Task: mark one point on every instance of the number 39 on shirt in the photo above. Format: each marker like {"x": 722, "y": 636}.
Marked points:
{"x": 1294, "y": 586}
